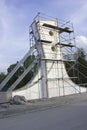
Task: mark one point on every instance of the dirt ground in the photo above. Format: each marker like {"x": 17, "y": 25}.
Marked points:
{"x": 7, "y": 109}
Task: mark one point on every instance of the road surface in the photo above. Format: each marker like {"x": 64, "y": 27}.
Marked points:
{"x": 67, "y": 117}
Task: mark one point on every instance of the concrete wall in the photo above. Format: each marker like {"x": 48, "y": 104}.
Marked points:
{"x": 5, "y": 97}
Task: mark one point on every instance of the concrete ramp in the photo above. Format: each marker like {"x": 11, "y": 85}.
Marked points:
{"x": 52, "y": 79}
{"x": 47, "y": 42}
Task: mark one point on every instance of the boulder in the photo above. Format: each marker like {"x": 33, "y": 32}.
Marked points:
{"x": 18, "y": 100}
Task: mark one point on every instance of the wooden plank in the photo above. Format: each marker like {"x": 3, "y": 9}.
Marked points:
{"x": 63, "y": 44}
{"x": 66, "y": 29}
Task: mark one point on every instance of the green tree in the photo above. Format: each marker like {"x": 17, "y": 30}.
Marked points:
{"x": 2, "y": 76}
{"x": 78, "y": 68}
{"x": 19, "y": 72}
{"x": 11, "y": 67}
{"x": 81, "y": 53}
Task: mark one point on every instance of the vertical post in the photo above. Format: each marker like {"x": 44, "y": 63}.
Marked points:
{"x": 44, "y": 91}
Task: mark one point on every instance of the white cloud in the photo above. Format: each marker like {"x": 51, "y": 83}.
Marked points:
{"x": 15, "y": 18}
{"x": 3, "y": 67}
{"x": 81, "y": 41}
{"x": 79, "y": 19}
{"x": 14, "y": 41}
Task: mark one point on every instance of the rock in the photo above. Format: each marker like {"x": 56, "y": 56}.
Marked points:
{"x": 18, "y": 100}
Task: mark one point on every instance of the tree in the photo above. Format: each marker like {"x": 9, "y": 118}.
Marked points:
{"x": 81, "y": 53}
{"x": 19, "y": 72}
{"x": 11, "y": 67}
{"x": 2, "y": 76}
{"x": 79, "y": 68}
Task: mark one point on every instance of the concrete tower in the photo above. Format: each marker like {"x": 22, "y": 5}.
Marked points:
{"x": 51, "y": 78}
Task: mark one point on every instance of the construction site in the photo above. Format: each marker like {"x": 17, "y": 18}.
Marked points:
{"x": 52, "y": 45}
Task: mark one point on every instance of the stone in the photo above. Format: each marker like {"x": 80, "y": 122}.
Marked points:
{"x": 18, "y": 100}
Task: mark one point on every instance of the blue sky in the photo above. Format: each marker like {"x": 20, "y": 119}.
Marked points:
{"x": 17, "y": 15}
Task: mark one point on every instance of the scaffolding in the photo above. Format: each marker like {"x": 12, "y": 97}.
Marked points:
{"x": 66, "y": 42}
{"x": 52, "y": 44}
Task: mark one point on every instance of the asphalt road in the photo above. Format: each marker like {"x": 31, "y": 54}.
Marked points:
{"x": 67, "y": 117}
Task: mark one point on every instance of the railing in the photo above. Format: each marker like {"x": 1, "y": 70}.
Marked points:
{"x": 23, "y": 75}
{"x": 16, "y": 68}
